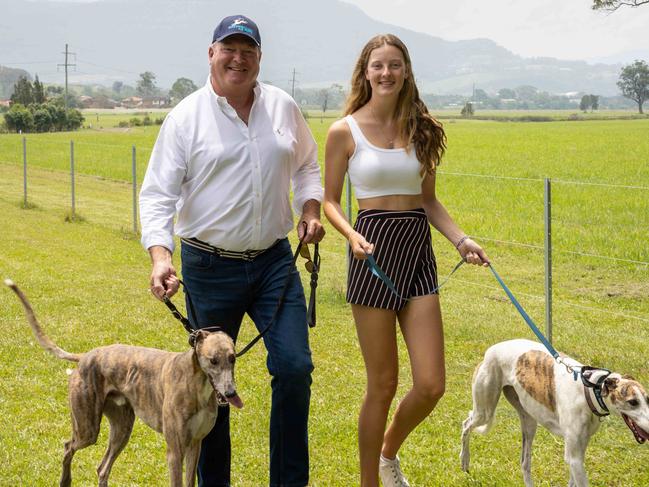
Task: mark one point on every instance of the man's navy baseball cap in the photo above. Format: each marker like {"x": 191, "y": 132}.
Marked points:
{"x": 237, "y": 24}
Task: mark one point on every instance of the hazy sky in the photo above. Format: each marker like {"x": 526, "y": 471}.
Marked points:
{"x": 564, "y": 29}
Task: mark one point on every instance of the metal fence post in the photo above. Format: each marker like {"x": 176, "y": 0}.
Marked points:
{"x": 25, "y": 170}
{"x": 72, "y": 175}
{"x": 134, "y": 191}
{"x": 548, "y": 257}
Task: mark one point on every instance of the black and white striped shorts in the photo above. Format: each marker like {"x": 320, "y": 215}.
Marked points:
{"x": 402, "y": 249}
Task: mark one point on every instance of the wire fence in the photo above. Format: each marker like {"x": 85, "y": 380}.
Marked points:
{"x": 613, "y": 233}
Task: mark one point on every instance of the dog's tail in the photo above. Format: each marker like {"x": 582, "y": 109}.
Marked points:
{"x": 43, "y": 339}
{"x": 486, "y": 392}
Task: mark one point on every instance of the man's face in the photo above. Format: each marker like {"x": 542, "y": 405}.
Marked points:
{"x": 234, "y": 65}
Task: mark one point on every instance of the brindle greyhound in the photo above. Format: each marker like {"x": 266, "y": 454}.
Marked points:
{"x": 543, "y": 391}
{"x": 176, "y": 394}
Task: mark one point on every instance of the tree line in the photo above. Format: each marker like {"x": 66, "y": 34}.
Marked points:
{"x": 34, "y": 109}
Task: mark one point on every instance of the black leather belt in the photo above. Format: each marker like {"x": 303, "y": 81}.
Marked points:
{"x": 247, "y": 255}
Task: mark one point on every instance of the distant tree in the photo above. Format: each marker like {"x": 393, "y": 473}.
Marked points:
{"x": 506, "y": 94}
{"x": 467, "y": 110}
{"x": 146, "y": 84}
{"x": 117, "y": 87}
{"x": 181, "y": 88}
{"x": 324, "y": 99}
{"x": 634, "y": 82}
{"x": 480, "y": 95}
{"x": 526, "y": 93}
{"x": 585, "y": 103}
{"x": 57, "y": 114}
{"x": 74, "y": 119}
{"x": 19, "y": 118}
{"x": 42, "y": 119}
{"x": 55, "y": 90}
{"x": 337, "y": 95}
{"x": 594, "y": 102}
{"x": 23, "y": 92}
{"x": 38, "y": 91}
{"x": 613, "y": 5}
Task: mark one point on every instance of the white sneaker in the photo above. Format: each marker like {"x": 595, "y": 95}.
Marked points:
{"x": 391, "y": 474}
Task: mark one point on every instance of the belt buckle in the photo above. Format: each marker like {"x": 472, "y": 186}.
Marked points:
{"x": 247, "y": 256}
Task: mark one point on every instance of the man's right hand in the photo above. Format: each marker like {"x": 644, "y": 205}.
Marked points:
{"x": 163, "y": 276}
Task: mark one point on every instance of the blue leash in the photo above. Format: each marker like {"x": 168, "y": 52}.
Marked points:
{"x": 378, "y": 272}
{"x": 574, "y": 370}
{"x": 525, "y": 316}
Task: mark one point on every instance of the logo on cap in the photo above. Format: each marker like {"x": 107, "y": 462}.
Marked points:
{"x": 238, "y": 25}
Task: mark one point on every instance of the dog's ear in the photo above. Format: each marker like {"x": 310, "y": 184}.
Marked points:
{"x": 196, "y": 337}
{"x": 609, "y": 384}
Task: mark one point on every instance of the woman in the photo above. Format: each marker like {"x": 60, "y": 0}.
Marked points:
{"x": 391, "y": 147}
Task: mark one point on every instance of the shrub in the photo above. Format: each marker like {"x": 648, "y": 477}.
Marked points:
{"x": 147, "y": 121}
{"x": 467, "y": 109}
{"x": 74, "y": 119}
{"x": 42, "y": 120}
{"x": 135, "y": 122}
{"x": 19, "y": 118}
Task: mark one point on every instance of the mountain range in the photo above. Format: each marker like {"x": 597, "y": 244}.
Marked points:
{"x": 319, "y": 39}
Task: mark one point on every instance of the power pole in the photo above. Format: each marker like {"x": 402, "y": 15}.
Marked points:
{"x": 66, "y": 64}
{"x": 293, "y": 85}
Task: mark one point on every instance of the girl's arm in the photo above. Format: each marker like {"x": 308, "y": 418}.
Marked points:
{"x": 338, "y": 149}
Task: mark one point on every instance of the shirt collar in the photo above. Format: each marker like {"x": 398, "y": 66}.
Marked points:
{"x": 222, "y": 101}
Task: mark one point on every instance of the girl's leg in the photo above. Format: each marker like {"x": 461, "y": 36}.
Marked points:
{"x": 421, "y": 325}
{"x": 376, "y": 329}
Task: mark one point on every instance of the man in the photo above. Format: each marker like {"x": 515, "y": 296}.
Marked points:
{"x": 222, "y": 164}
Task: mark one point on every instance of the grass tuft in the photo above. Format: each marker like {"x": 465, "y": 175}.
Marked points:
{"x": 69, "y": 217}
{"x": 28, "y": 205}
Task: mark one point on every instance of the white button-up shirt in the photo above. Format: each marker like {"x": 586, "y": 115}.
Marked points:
{"x": 228, "y": 182}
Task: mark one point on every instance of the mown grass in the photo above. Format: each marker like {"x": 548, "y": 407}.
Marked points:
{"x": 88, "y": 283}
{"x": 514, "y": 115}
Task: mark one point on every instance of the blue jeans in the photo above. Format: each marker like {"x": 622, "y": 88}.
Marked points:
{"x": 222, "y": 290}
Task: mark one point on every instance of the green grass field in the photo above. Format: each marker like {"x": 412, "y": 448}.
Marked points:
{"x": 87, "y": 281}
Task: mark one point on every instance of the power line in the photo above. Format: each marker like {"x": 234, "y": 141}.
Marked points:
{"x": 106, "y": 67}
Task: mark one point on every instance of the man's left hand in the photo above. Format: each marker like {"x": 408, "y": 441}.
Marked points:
{"x": 313, "y": 231}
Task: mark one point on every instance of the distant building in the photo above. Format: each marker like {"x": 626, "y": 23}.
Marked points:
{"x": 131, "y": 102}
{"x": 99, "y": 101}
{"x": 156, "y": 102}
{"x": 5, "y": 103}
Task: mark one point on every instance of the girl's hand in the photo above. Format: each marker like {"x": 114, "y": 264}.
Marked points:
{"x": 472, "y": 253}
{"x": 360, "y": 247}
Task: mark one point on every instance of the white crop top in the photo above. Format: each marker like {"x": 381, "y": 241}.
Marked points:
{"x": 374, "y": 171}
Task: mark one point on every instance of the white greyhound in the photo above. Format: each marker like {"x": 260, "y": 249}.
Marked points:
{"x": 544, "y": 391}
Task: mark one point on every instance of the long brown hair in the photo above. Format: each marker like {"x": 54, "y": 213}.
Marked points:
{"x": 415, "y": 124}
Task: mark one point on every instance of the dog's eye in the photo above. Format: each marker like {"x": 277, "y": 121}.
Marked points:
{"x": 633, "y": 402}
{"x": 215, "y": 361}
{"x": 231, "y": 358}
